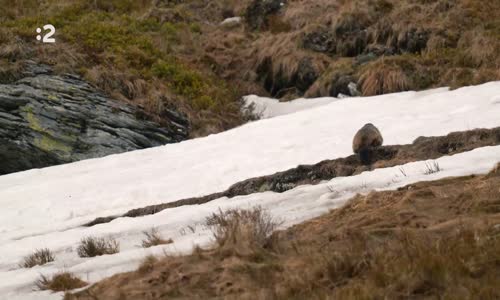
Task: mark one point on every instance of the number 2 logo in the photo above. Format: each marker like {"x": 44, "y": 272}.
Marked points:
{"x": 47, "y": 38}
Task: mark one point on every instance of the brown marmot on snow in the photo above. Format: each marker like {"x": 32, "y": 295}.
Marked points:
{"x": 365, "y": 141}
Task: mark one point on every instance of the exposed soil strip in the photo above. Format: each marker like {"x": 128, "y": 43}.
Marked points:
{"x": 422, "y": 148}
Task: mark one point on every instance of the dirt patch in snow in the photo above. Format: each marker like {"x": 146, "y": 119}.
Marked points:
{"x": 422, "y": 148}
{"x": 429, "y": 240}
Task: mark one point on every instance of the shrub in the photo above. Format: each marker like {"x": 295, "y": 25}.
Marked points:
{"x": 153, "y": 238}
{"x": 60, "y": 282}
{"x": 247, "y": 228}
{"x": 38, "y": 258}
{"x": 93, "y": 246}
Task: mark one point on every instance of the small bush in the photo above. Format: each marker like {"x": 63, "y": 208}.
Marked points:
{"x": 60, "y": 282}
{"x": 248, "y": 228}
{"x": 38, "y": 258}
{"x": 93, "y": 246}
{"x": 153, "y": 238}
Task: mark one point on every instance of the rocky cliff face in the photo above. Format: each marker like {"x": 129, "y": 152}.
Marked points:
{"x": 48, "y": 119}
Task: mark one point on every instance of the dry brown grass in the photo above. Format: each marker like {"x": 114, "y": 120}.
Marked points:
{"x": 285, "y": 53}
{"x": 480, "y": 48}
{"x": 430, "y": 240}
{"x": 153, "y": 238}
{"x": 384, "y": 77}
{"x": 242, "y": 230}
{"x": 38, "y": 258}
{"x": 409, "y": 264}
{"x": 118, "y": 83}
{"x": 60, "y": 282}
{"x": 96, "y": 246}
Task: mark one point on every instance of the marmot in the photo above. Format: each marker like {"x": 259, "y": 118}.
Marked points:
{"x": 365, "y": 141}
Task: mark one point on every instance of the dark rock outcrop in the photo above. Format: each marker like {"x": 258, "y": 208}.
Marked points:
{"x": 321, "y": 40}
{"x": 278, "y": 83}
{"x": 48, "y": 119}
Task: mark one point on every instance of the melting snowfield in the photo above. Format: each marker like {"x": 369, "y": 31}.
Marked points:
{"x": 43, "y": 208}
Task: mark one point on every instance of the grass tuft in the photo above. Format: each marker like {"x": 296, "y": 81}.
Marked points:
{"x": 153, "y": 238}
{"x": 38, "y": 258}
{"x": 60, "y": 282}
{"x": 94, "y": 246}
{"x": 385, "y": 76}
{"x": 241, "y": 228}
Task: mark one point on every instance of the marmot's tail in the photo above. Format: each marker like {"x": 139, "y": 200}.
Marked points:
{"x": 366, "y": 156}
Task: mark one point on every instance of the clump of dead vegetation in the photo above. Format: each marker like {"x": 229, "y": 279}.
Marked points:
{"x": 38, "y": 258}
{"x": 242, "y": 229}
{"x": 96, "y": 246}
{"x": 383, "y": 78}
{"x": 60, "y": 282}
{"x": 154, "y": 238}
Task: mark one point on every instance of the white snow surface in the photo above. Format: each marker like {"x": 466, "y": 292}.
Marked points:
{"x": 266, "y": 108}
{"x": 44, "y": 208}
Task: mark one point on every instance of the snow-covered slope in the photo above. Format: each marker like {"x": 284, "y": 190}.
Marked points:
{"x": 266, "y": 108}
{"x": 72, "y": 194}
{"x": 291, "y": 207}
{"x": 42, "y": 208}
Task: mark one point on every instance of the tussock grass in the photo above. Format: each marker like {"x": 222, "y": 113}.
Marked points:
{"x": 96, "y": 246}
{"x": 38, "y": 258}
{"x": 384, "y": 77}
{"x": 60, "y": 282}
{"x": 241, "y": 228}
{"x": 153, "y": 238}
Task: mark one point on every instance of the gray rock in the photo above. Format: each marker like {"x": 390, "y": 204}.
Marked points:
{"x": 258, "y": 11}
{"x": 48, "y": 119}
{"x": 321, "y": 40}
{"x": 340, "y": 85}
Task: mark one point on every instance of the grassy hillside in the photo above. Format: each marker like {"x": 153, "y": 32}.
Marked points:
{"x": 163, "y": 54}
{"x": 429, "y": 240}
{"x": 117, "y": 46}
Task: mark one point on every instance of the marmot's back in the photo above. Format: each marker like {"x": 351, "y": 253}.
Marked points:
{"x": 366, "y": 138}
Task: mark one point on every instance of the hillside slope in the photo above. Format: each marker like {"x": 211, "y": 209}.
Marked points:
{"x": 180, "y": 55}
